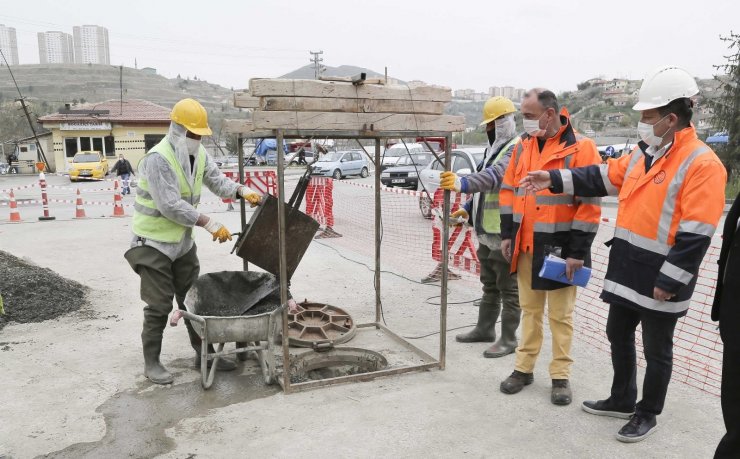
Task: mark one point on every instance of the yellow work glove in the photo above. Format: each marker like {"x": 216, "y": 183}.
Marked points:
{"x": 218, "y": 231}
{"x": 449, "y": 181}
{"x": 459, "y": 216}
{"x": 250, "y": 196}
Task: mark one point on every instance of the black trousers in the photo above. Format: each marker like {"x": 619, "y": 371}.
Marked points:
{"x": 729, "y": 446}
{"x": 657, "y": 340}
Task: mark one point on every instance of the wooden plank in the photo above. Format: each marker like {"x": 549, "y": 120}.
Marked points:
{"x": 330, "y": 121}
{"x": 259, "y": 87}
{"x": 327, "y": 104}
{"x": 243, "y": 127}
{"x": 245, "y": 100}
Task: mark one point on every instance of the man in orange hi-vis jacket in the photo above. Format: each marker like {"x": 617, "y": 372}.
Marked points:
{"x": 671, "y": 192}
{"x": 535, "y": 225}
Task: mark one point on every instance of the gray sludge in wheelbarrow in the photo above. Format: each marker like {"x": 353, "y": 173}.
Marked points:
{"x": 234, "y": 293}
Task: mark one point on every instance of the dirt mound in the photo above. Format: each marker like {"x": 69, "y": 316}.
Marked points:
{"x": 35, "y": 294}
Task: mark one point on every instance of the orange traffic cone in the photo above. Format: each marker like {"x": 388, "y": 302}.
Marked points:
{"x": 79, "y": 211}
{"x": 15, "y": 216}
{"x": 117, "y": 203}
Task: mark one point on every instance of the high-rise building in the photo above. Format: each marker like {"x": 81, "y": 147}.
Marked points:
{"x": 55, "y": 48}
{"x": 91, "y": 45}
{"x": 9, "y": 45}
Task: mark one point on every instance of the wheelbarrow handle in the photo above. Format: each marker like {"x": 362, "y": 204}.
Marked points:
{"x": 178, "y": 314}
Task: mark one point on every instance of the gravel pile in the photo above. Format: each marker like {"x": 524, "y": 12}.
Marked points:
{"x": 35, "y": 294}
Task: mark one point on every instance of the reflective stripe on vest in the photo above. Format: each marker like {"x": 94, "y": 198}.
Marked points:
{"x": 148, "y": 221}
{"x": 491, "y": 221}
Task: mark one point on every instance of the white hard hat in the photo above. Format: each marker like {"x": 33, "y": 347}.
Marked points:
{"x": 664, "y": 85}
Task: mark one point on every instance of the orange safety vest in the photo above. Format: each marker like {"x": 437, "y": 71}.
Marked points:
{"x": 544, "y": 222}
{"x": 665, "y": 222}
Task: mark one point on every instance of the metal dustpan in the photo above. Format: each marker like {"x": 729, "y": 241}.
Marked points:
{"x": 259, "y": 242}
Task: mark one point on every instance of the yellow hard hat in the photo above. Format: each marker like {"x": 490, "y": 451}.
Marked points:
{"x": 192, "y": 116}
{"x": 496, "y": 107}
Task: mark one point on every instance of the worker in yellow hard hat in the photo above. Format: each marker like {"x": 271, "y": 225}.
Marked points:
{"x": 162, "y": 251}
{"x": 482, "y": 211}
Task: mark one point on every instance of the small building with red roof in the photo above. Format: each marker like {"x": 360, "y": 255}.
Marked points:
{"x": 129, "y": 127}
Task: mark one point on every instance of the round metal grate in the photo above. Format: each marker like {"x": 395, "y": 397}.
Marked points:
{"x": 319, "y": 323}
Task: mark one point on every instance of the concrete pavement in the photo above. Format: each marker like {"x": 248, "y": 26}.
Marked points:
{"x": 74, "y": 387}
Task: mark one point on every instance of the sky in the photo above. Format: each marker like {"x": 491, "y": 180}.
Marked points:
{"x": 461, "y": 44}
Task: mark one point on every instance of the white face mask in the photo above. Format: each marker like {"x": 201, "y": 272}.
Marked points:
{"x": 193, "y": 146}
{"x": 647, "y": 133}
{"x": 532, "y": 127}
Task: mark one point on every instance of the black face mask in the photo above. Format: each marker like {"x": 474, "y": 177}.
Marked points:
{"x": 491, "y": 136}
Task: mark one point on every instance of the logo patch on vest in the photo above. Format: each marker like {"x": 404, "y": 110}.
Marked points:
{"x": 659, "y": 178}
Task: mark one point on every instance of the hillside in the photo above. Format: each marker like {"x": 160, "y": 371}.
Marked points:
{"x": 59, "y": 84}
{"x": 307, "y": 72}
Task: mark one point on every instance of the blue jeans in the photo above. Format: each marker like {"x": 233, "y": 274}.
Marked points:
{"x": 125, "y": 180}
{"x": 657, "y": 339}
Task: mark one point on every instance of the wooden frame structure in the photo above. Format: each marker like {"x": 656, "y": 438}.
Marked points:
{"x": 354, "y": 127}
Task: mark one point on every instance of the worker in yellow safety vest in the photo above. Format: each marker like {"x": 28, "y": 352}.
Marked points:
{"x": 162, "y": 253}
{"x": 482, "y": 211}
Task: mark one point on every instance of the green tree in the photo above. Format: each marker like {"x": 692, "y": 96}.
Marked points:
{"x": 726, "y": 108}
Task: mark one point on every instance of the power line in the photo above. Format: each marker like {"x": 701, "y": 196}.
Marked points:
{"x": 318, "y": 69}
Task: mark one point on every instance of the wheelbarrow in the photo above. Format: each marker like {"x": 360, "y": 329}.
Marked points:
{"x": 215, "y": 307}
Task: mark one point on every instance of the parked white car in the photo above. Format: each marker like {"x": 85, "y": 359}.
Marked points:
{"x": 464, "y": 162}
{"x": 391, "y": 155}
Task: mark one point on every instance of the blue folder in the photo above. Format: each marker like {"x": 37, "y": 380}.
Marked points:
{"x": 554, "y": 269}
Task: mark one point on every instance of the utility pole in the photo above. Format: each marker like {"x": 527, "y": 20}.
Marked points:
{"x": 39, "y": 150}
{"x": 120, "y": 85}
{"x": 318, "y": 69}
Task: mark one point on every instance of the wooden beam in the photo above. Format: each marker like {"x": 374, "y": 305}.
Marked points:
{"x": 328, "y": 104}
{"x": 242, "y": 127}
{"x": 357, "y": 121}
{"x": 245, "y": 100}
{"x": 259, "y": 87}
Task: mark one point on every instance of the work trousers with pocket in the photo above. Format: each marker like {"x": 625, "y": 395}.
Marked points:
{"x": 162, "y": 280}
{"x": 499, "y": 286}
{"x": 560, "y": 305}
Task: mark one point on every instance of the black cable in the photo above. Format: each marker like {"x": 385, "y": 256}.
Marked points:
{"x": 437, "y": 332}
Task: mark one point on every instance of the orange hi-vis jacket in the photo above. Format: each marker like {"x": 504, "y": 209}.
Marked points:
{"x": 668, "y": 212}
{"x": 545, "y": 223}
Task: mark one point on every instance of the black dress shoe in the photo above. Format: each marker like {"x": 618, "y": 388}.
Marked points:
{"x": 561, "y": 393}
{"x": 639, "y": 427}
{"x": 516, "y": 382}
{"x": 607, "y": 408}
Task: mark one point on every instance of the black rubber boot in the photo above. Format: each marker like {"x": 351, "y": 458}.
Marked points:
{"x": 485, "y": 329}
{"x": 151, "y": 340}
{"x": 507, "y": 342}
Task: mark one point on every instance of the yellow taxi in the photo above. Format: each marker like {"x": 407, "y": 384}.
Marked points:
{"x": 87, "y": 165}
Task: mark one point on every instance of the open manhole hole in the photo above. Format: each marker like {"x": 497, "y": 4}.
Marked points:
{"x": 313, "y": 366}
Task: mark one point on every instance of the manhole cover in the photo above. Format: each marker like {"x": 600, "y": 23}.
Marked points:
{"x": 318, "y": 323}
{"x": 313, "y": 366}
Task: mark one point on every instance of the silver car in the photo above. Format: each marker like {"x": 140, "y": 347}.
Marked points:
{"x": 340, "y": 164}
{"x": 464, "y": 162}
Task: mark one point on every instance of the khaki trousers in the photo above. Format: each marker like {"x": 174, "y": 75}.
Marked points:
{"x": 561, "y": 303}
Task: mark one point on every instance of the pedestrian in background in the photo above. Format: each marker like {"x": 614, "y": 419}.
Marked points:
{"x": 123, "y": 169}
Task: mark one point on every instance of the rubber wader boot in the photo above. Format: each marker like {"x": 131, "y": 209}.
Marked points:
{"x": 153, "y": 369}
{"x": 485, "y": 329}
{"x": 507, "y": 343}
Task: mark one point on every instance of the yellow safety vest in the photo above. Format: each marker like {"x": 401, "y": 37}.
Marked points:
{"x": 148, "y": 221}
